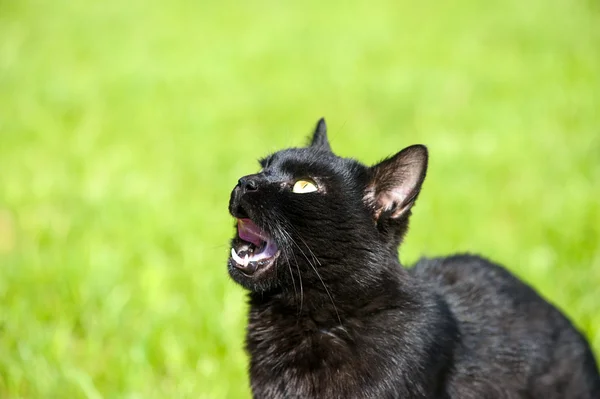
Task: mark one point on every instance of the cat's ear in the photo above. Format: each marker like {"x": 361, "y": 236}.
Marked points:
{"x": 396, "y": 181}
{"x": 319, "y": 137}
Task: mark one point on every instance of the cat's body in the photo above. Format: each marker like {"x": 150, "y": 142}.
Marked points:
{"x": 513, "y": 344}
{"x": 334, "y": 315}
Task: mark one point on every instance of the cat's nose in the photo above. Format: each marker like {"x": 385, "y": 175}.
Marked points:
{"x": 248, "y": 183}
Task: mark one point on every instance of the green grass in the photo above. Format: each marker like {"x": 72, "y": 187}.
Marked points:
{"x": 124, "y": 125}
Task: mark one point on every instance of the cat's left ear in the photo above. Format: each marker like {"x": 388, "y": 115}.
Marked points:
{"x": 319, "y": 138}
{"x": 396, "y": 182}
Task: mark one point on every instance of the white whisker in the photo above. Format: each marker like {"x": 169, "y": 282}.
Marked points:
{"x": 317, "y": 273}
{"x": 283, "y": 232}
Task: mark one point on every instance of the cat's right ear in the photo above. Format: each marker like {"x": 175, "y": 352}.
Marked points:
{"x": 319, "y": 137}
{"x": 396, "y": 182}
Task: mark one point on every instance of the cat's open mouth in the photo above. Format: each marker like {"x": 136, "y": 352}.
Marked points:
{"x": 254, "y": 250}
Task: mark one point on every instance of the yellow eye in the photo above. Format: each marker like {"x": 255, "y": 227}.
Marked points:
{"x": 304, "y": 186}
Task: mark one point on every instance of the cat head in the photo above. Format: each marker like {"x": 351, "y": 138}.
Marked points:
{"x": 309, "y": 214}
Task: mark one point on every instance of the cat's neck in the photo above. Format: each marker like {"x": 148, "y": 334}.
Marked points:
{"x": 348, "y": 330}
{"x": 333, "y": 297}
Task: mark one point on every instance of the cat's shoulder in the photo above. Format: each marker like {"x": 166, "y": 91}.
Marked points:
{"x": 480, "y": 291}
{"x": 473, "y": 276}
{"x": 460, "y": 268}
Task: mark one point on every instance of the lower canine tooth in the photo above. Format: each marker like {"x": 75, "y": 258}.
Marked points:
{"x": 236, "y": 257}
{"x": 246, "y": 260}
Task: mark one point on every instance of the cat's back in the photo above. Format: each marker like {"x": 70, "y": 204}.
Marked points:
{"x": 512, "y": 340}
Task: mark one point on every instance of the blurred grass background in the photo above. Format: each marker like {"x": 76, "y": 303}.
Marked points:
{"x": 124, "y": 125}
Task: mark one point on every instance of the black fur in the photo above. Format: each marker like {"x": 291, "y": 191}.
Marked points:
{"x": 336, "y": 316}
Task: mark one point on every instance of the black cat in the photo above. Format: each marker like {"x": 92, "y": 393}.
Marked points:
{"x": 334, "y": 315}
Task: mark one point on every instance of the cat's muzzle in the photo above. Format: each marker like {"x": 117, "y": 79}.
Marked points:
{"x": 253, "y": 250}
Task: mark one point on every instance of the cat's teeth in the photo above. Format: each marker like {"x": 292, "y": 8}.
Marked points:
{"x": 245, "y": 261}
{"x": 237, "y": 258}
